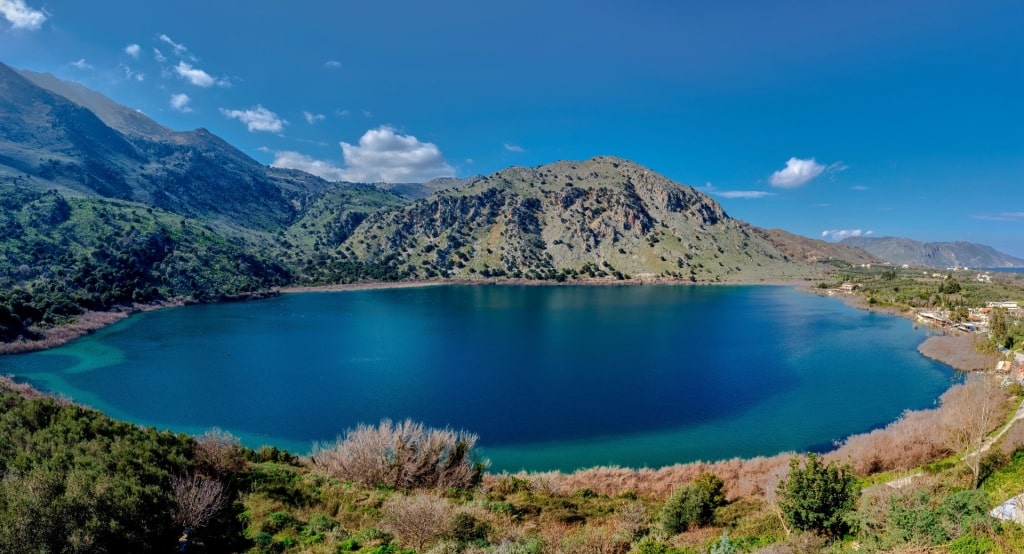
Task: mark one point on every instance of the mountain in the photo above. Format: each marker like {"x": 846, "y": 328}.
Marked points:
{"x": 418, "y": 191}
{"x": 116, "y": 116}
{"x": 933, "y": 254}
{"x": 810, "y": 250}
{"x": 62, "y": 136}
{"x": 104, "y": 208}
{"x": 603, "y": 217}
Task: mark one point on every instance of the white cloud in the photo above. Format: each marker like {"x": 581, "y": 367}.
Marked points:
{"x": 332, "y": 64}
{"x": 796, "y": 173}
{"x": 322, "y": 169}
{"x": 179, "y": 49}
{"x": 197, "y": 76}
{"x": 257, "y": 119}
{"x": 130, "y": 74}
{"x": 133, "y": 50}
{"x": 81, "y": 63}
{"x": 159, "y": 56}
{"x": 860, "y": 187}
{"x": 20, "y": 16}
{"x": 748, "y": 194}
{"x": 342, "y": 113}
{"x": 312, "y": 118}
{"x": 382, "y": 155}
{"x": 513, "y": 148}
{"x": 840, "y": 234}
{"x": 181, "y": 102}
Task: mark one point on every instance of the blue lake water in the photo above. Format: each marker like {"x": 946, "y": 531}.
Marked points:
{"x": 549, "y": 377}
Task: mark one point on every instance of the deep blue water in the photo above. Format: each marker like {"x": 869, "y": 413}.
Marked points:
{"x": 549, "y": 377}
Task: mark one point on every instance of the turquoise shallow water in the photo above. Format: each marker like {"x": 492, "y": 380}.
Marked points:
{"x": 549, "y": 377}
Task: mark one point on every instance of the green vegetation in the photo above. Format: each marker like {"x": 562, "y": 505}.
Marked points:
{"x": 76, "y": 481}
{"x": 694, "y": 504}
{"x": 956, "y": 292}
{"x": 818, "y": 497}
{"x": 63, "y": 256}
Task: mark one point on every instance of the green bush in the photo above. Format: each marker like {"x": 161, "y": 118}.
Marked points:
{"x": 693, "y": 504}
{"x": 817, "y": 497}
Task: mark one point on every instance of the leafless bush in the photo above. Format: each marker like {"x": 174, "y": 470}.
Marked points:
{"x": 742, "y": 477}
{"x": 197, "y": 499}
{"x": 970, "y": 412}
{"x": 592, "y": 539}
{"x": 405, "y": 455}
{"x": 220, "y": 451}
{"x": 416, "y": 520}
{"x": 914, "y": 439}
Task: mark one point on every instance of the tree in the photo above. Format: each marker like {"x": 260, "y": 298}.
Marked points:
{"x": 949, "y": 285}
{"x": 959, "y": 314}
{"x": 197, "y": 499}
{"x": 816, "y": 497}
{"x": 999, "y": 326}
{"x": 693, "y": 504}
{"x": 969, "y": 412}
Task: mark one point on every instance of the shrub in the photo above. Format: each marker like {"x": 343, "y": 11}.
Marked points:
{"x": 221, "y": 451}
{"x": 694, "y": 504}
{"x": 816, "y": 497}
{"x": 405, "y": 455}
{"x": 416, "y": 520}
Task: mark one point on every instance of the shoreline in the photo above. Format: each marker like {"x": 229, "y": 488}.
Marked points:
{"x": 946, "y": 349}
{"x": 943, "y": 348}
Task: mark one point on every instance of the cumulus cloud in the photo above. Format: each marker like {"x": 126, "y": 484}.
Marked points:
{"x": 322, "y": 169}
{"x": 840, "y": 234}
{"x": 796, "y": 173}
{"x": 382, "y": 155}
{"x": 332, "y": 64}
{"x": 181, "y": 102}
{"x": 513, "y": 148}
{"x": 197, "y": 76}
{"x": 257, "y": 119}
{"x": 312, "y": 118}
{"x": 159, "y": 56}
{"x": 81, "y": 63}
{"x": 21, "y": 16}
{"x": 133, "y": 50}
{"x": 179, "y": 49}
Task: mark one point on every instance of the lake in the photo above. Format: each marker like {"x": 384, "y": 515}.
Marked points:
{"x": 550, "y": 377}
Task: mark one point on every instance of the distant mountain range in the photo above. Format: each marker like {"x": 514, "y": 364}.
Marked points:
{"x": 933, "y": 254}
{"x": 102, "y": 207}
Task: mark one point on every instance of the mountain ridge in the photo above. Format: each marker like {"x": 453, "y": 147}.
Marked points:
{"x": 898, "y": 250}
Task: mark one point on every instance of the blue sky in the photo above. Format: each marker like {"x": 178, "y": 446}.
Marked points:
{"x": 895, "y": 118}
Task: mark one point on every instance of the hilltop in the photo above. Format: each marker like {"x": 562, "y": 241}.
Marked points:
{"x": 603, "y": 217}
